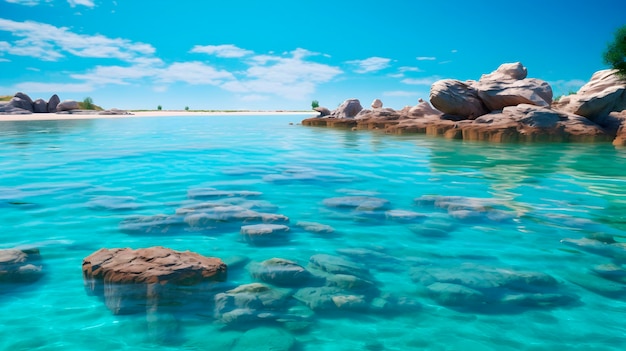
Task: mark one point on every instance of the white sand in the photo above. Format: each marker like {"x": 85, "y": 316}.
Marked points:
{"x": 55, "y": 116}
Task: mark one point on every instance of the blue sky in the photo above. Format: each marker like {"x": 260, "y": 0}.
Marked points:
{"x": 269, "y": 55}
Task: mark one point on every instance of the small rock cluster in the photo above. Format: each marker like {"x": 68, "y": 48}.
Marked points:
{"x": 502, "y": 106}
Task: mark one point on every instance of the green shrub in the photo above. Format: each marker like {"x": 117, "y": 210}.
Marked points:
{"x": 88, "y": 104}
{"x": 159, "y": 107}
{"x": 186, "y": 108}
{"x": 615, "y": 54}
{"x": 314, "y": 104}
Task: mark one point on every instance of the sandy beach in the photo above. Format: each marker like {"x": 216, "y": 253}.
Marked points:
{"x": 140, "y": 114}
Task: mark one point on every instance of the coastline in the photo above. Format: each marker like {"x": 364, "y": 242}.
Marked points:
{"x": 141, "y": 114}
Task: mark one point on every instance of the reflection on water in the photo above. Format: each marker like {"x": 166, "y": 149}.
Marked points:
{"x": 393, "y": 242}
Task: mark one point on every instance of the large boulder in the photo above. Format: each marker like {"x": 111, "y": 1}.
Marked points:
{"x": 132, "y": 281}
{"x": 457, "y": 98}
{"x": 497, "y": 95}
{"x": 19, "y": 266}
{"x": 348, "y": 109}
{"x": 377, "y": 103}
{"x": 603, "y": 94}
{"x": 280, "y": 272}
{"x": 67, "y": 105}
{"x": 40, "y": 106}
{"x": 53, "y": 102}
{"x": 22, "y": 101}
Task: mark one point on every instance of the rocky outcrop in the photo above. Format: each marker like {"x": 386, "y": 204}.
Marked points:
{"x": 505, "y": 106}
{"x": 22, "y": 104}
{"x": 132, "y": 281}
{"x": 377, "y": 104}
{"x": 603, "y": 94}
{"x": 19, "y": 266}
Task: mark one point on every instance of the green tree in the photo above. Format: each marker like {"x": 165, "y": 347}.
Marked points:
{"x": 615, "y": 54}
{"x": 88, "y": 104}
{"x": 159, "y": 107}
{"x": 314, "y": 104}
{"x": 186, "y": 108}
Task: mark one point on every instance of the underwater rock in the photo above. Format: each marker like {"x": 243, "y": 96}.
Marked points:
{"x": 132, "y": 281}
{"x": 337, "y": 265}
{"x": 359, "y": 203}
{"x": 113, "y": 203}
{"x": 265, "y": 234}
{"x": 472, "y": 287}
{"x": 468, "y": 208}
{"x": 250, "y": 303}
{"x": 616, "y": 251}
{"x": 404, "y": 215}
{"x": 314, "y": 227}
{"x": 281, "y": 272}
{"x": 20, "y": 266}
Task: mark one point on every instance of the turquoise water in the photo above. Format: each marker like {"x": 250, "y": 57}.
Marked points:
{"x": 69, "y": 187}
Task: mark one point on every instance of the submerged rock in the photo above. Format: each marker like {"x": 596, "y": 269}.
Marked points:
{"x": 250, "y": 303}
{"x": 20, "y": 266}
{"x": 281, "y": 272}
{"x": 265, "y": 234}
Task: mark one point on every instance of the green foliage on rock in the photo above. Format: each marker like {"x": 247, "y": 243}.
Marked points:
{"x": 6, "y": 97}
{"x": 615, "y": 54}
{"x": 87, "y": 104}
{"x": 314, "y": 104}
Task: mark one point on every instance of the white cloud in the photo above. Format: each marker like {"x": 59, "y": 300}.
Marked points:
{"x": 426, "y": 58}
{"x": 289, "y": 77}
{"x": 409, "y": 69}
{"x": 253, "y": 98}
{"x": 372, "y": 64}
{"x": 194, "y": 73}
{"x": 228, "y": 51}
{"x": 88, "y": 3}
{"x": 72, "y": 3}
{"x": 50, "y": 43}
{"x": 454, "y": 51}
{"x": 420, "y": 81}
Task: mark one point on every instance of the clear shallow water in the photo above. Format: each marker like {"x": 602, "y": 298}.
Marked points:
{"x": 65, "y": 187}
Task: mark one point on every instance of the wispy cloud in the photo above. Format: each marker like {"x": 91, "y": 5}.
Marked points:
{"x": 72, "y": 3}
{"x": 228, "y": 51}
{"x": 372, "y": 64}
{"x": 426, "y": 58}
{"x": 195, "y": 73}
{"x": 420, "y": 81}
{"x": 292, "y": 77}
{"x": 50, "y": 43}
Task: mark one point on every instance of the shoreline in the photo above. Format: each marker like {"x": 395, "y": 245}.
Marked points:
{"x": 143, "y": 114}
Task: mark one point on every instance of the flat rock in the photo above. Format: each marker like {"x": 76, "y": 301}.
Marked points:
{"x": 314, "y": 227}
{"x": 337, "y": 265}
{"x": 249, "y": 303}
{"x": 134, "y": 280}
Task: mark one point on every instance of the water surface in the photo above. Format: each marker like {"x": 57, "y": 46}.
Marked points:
{"x": 67, "y": 188}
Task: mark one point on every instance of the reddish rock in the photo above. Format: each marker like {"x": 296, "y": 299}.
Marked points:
{"x": 138, "y": 280}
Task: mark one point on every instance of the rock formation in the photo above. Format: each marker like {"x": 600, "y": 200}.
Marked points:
{"x": 503, "y": 106}
{"x": 132, "y": 281}
{"x": 23, "y": 104}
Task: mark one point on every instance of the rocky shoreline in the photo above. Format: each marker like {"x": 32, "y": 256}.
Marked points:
{"x": 503, "y": 106}
{"x": 22, "y": 104}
